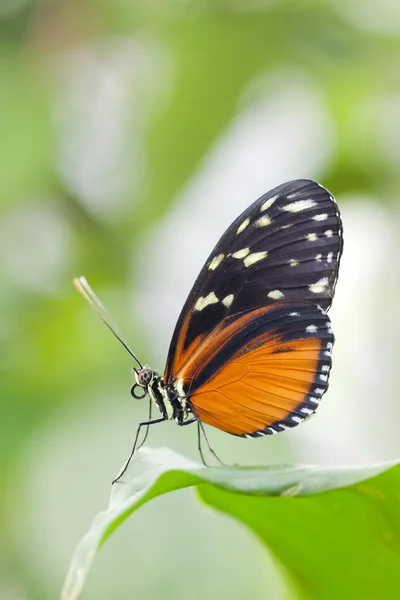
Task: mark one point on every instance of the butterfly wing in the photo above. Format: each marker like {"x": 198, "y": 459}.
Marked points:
{"x": 285, "y": 247}
{"x": 260, "y": 372}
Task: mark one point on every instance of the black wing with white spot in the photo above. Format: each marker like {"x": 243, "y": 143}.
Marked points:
{"x": 285, "y": 247}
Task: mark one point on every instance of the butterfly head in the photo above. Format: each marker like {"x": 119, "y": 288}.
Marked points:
{"x": 143, "y": 378}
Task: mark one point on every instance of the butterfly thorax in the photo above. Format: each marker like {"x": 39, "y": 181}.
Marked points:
{"x": 165, "y": 397}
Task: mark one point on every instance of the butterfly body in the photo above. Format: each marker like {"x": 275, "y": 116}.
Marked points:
{"x": 164, "y": 397}
{"x": 251, "y": 350}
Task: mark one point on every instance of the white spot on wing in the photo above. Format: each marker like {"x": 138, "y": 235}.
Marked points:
{"x": 322, "y": 217}
{"x": 311, "y": 329}
{"x": 329, "y": 233}
{"x": 206, "y": 301}
{"x": 275, "y": 295}
{"x": 263, "y": 221}
{"x": 319, "y": 286}
{"x": 318, "y": 258}
{"x": 297, "y": 419}
{"x": 216, "y": 261}
{"x": 241, "y": 253}
{"x": 293, "y": 262}
{"x": 311, "y": 237}
{"x": 253, "y": 258}
{"x": 300, "y": 205}
{"x": 243, "y": 226}
{"x": 319, "y": 391}
{"x": 294, "y": 314}
{"x": 268, "y": 203}
{"x": 323, "y": 377}
{"x": 329, "y": 257}
{"x": 313, "y": 400}
{"x": 227, "y": 301}
{"x": 307, "y": 411}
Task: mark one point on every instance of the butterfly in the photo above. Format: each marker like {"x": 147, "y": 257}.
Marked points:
{"x": 252, "y": 348}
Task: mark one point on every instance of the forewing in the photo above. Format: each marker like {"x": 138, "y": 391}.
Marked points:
{"x": 260, "y": 372}
{"x": 285, "y": 247}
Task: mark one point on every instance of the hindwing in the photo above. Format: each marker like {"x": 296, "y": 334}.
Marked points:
{"x": 262, "y": 371}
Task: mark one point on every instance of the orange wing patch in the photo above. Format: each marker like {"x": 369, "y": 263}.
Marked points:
{"x": 260, "y": 388}
{"x": 186, "y": 361}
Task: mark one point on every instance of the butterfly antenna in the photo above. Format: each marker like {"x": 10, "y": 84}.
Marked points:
{"x": 84, "y": 288}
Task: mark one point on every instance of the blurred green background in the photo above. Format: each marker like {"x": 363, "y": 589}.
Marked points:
{"x": 132, "y": 134}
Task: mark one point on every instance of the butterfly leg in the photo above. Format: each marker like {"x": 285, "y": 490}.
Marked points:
{"x": 203, "y": 460}
{"x": 200, "y": 427}
{"x": 215, "y": 455}
{"x": 147, "y": 427}
{"x": 188, "y": 422}
{"x": 143, "y": 424}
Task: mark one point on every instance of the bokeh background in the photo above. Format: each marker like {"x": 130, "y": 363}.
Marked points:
{"x": 131, "y": 134}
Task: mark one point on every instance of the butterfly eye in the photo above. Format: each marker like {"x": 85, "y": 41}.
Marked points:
{"x": 144, "y": 376}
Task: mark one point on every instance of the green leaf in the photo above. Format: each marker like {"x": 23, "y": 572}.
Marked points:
{"x": 353, "y": 529}
{"x": 342, "y": 544}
